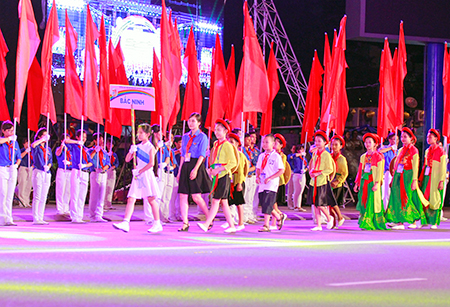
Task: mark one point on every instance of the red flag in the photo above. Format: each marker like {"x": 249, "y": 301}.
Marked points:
{"x": 34, "y": 95}
{"x": 399, "y": 74}
{"x": 252, "y": 118}
{"x": 193, "y": 98}
{"x": 176, "y": 55}
{"x": 50, "y": 38}
{"x": 231, "y": 78}
{"x": 4, "y": 113}
{"x": 219, "y": 91}
{"x": 312, "y": 109}
{"x": 327, "y": 63}
{"x": 91, "y": 105}
{"x": 170, "y": 72}
{"x": 73, "y": 91}
{"x": 113, "y": 126}
{"x": 386, "y": 113}
{"x": 274, "y": 85}
{"x": 121, "y": 78}
{"x": 337, "y": 109}
{"x": 27, "y": 46}
{"x": 252, "y": 92}
{"x": 446, "y": 83}
{"x": 104, "y": 73}
{"x": 156, "y": 83}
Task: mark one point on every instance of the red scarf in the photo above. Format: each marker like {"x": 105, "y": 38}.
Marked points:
{"x": 100, "y": 154}
{"x": 171, "y": 157}
{"x": 249, "y": 153}
{"x": 264, "y": 161}
{"x": 316, "y": 165}
{"x": 191, "y": 140}
{"x": 215, "y": 151}
{"x": 44, "y": 150}
{"x": 10, "y": 147}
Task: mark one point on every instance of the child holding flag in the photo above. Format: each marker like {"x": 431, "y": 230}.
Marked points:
{"x": 64, "y": 159}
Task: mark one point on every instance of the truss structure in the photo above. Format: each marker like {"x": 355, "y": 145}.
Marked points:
{"x": 269, "y": 28}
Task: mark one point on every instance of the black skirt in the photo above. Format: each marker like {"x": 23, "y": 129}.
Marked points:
{"x": 222, "y": 190}
{"x": 281, "y": 194}
{"x": 339, "y": 195}
{"x": 324, "y": 196}
{"x": 238, "y": 196}
{"x": 200, "y": 185}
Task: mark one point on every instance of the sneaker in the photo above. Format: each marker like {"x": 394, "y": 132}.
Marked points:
{"x": 78, "y": 222}
{"x": 157, "y": 227}
{"x": 399, "y": 227}
{"x": 239, "y": 228}
{"x": 443, "y": 218}
{"x": 341, "y": 222}
{"x": 317, "y": 228}
{"x": 391, "y": 224}
{"x": 330, "y": 223}
{"x": 41, "y": 223}
{"x": 149, "y": 223}
{"x": 99, "y": 220}
{"x": 273, "y": 228}
{"x": 412, "y": 226}
{"x": 124, "y": 226}
{"x": 433, "y": 227}
{"x": 225, "y": 225}
{"x": 10, "y": 224}
{"x": 230, "y": 230}
{"x": 202, "y": 227}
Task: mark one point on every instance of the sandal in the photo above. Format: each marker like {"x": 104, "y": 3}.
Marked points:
{"x": 264, "y": 229}
{"x": 280, "y": 222}
{"x": 184, "y": 228}
{"x": 211, "y": 226}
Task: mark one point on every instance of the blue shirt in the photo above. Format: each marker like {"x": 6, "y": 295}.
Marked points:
{"x": 96, "y": 159}
{"x": 6, "y": 153}
{"x": 198, "y": 146}
{"x": 296, "y": 163}
{"x": 24, "y": 162}
{"x": 75, "y": 150}
{"x": 177, "y": 158}
{"x": 60, "y": 159}
{"x": 252, "y": 156}
{"x": 388, "y": 156}
{"x": 39, "y": 157}
{"x": 114, "y": 160}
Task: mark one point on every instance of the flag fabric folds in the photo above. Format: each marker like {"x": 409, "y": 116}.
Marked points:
{"x": 219, "y": 97}
{"x": 4, "y": 113}
{"x": 327, "y": 63}
{"x": 399, "y": 74}
{"x": 156, "y": 83}
{"x": 27, "y": 46}
{"x": 231, "y": 80}
{"x": 34, "y": 95}
{"x": 274, "y": 86}
{"x": 175, "y": 44}
{"x": 312, "y": 108}
{"x": 104, "y": 74}
{"x": 446, "y": 83}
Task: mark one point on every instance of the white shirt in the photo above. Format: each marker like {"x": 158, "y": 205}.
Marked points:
{"x": 274, "y": 164}
{"x": 143, "y": 154}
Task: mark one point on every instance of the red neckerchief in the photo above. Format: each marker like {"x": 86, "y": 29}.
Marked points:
{"x": 171, "y": 157}
{"x": 215, "y": 150}
{"x": 335, "y": 156}
{"x": 84, "y": 153}
{"x": 68, "y": 155}
{"x": 265, "y": 159}
{"x": 100, "y": 154}
{"x": 10, "y": 147}
{"x": 44, "y": 150}
{"x": 191, "y": 140}
{"x": 316, "y": 165}
{"x": 249, "y": 153}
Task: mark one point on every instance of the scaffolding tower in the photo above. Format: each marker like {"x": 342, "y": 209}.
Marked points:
{"x": 269, "y": 28}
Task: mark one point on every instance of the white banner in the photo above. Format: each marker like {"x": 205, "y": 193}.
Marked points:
{"x": 126, "y": 96}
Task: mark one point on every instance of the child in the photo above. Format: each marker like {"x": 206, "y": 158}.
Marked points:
{"x": 250, "y": 181}
{"x": 406, "y": 200}
{"x": 42, "y": 176}
{"x": 280, "y": 143}
{"x": 174, "y": 205}
{"x": 144, "y": 183}
{"x": 321, "y": 170}
{"x": 433, "y": 177}
{"x": 223, "y": 162}
{"x": 98, "y": 177}
{"x": 193, "y": 179}
{"x": 337, "y": 143}
{"x": 25, "y": 174}
{"x": 238, "y": 183}
{"x": 368, "y": 182}
{"x": 389, "y": 152}
{"x": 255, "y": 152}
{"x": 111, "y": 174}
{"x": 269, "y": 168}
{"x": 79, "y": 176}
{"x": 64, "y": 159}
{"x": 9, "y": 162}
{"x": 299, "y": 164}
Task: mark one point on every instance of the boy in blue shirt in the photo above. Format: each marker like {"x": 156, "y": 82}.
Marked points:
{"x": 24, "y": 176}
{"x": 111, "y": 180}
{"x": 64, "y": 158}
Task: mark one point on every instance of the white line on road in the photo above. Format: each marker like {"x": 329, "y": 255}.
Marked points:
{"x": 372, "y": 282}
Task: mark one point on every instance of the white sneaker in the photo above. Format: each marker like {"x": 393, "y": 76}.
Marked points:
{"x": 157, "y": 227}
{"x": 443, "y": 218}
{"x": 99, "y": 220}
{"x": 230, "y": 230}
{"x": 202, "y": 227}
{"x": 433, "y": 227}
{"x": 412, "y": 226}
{"x": 330, "y": 223}
{"x": 317, "y": 228}
{"x": 124, "y": 226}
{"x": 225, "y": 225}
{"x": 41, "y": 223}
{"x": 273, "y": 228}
{"x": 399, "y": 227}
{"x": 341, "y": 222}
{"x": 391, "y": 224}
{"x": 239, "y": 228}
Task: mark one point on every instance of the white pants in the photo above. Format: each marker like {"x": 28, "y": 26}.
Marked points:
{"x": 79, "y": 182}
{"x": 256, "y": 202}
{"x": 174, "y": 205}
{"x": 298, "y": 182}
{"x": 385, "y": 189}
{"x": 164, "y": 204}
{"x": 63, "y": 190}
{"x": 110, "y": 185}
{"x": 24, "y": 184}
{"x": 249, "y": 195}
{"x": 8, "y": 180}
{"x": 41, "y": 184}
{"x": 97, "y": 195}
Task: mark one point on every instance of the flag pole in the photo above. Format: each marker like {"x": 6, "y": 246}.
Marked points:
{"x": 242, "y": 129}
{"x": 133, "y": 134}
{"x": 29, "y": 146}
{"x": 306, "y": 141}
{"x": 184, "y": 122}
{"x": 14, "y": 143}
{"x": 48, "y": 133}
{"x": 160, "y": 151}
{"x": 98, "y": 141}
{"x": 81, "y": 137}
{"x": 64, "y": 138}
